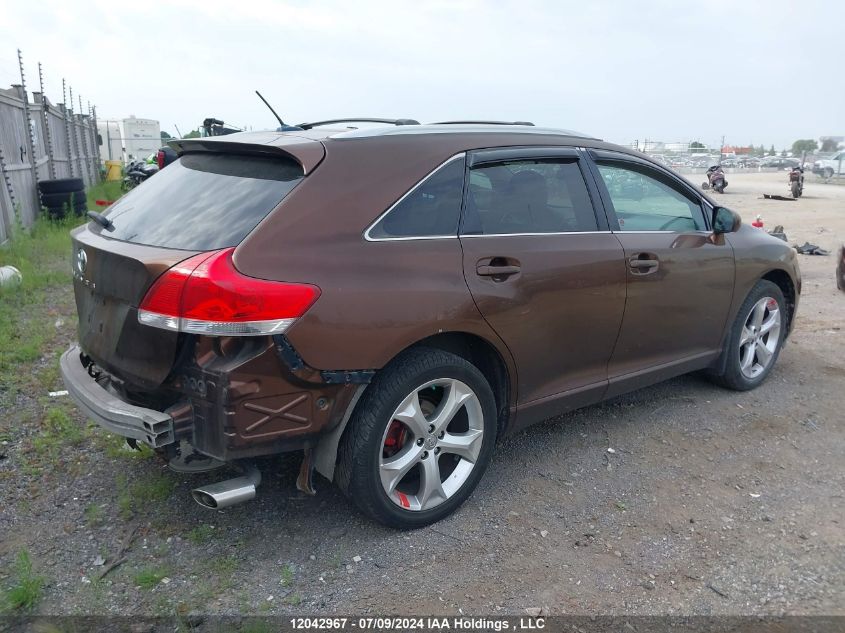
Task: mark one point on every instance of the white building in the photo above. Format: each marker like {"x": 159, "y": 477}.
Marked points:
{"x": 128, "y": 139}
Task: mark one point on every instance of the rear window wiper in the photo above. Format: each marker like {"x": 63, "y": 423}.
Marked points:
{"x": 102, "y": 220}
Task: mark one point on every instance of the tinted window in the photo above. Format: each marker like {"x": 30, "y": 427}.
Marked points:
{"x": 645, "y": 203}
{"x": 203, "y": 201}
{"x": 532, "y": 196}
{"x": 432, "y": 208}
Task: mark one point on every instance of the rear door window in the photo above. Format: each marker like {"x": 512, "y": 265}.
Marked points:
{"x": 431, "y": 209}
{"x": 203, "y": 201}
{"x": 528, "y": 196}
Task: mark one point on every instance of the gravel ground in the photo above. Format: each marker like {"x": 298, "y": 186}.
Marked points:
{"x": 682, "y": 498}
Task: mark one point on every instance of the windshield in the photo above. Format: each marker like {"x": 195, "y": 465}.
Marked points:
{"x": 203, "y": 201}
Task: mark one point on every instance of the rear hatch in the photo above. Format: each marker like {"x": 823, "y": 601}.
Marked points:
{"x": 205, "y": 201}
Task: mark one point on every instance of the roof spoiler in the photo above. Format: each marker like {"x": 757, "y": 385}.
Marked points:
{"x": 306, "y": 152}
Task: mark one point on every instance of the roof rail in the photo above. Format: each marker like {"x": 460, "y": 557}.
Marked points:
{"x": 308, "y": 126}
{"x": 483, "y": 123}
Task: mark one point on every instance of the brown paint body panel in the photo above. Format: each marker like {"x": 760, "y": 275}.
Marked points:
{"x": 116, "y": 277}
{"x": 560, "y": 315}
{"x": 677, "y": 309}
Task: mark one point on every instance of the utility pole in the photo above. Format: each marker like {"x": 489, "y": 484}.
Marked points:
{"x": 721, "y": 147}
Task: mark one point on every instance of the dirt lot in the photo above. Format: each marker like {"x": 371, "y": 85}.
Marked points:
{"x": 711, "y": 502}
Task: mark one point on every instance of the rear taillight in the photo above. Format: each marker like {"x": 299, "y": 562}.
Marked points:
{"x": 160, "y": 158}
{"x": 205, "y": 294}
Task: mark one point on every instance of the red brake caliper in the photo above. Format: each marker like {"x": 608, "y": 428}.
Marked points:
{"x": 395, "y": 440}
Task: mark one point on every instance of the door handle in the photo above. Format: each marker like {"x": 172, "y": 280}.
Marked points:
{"x": 489, "y": 270}
{"x": 643, "y": 263}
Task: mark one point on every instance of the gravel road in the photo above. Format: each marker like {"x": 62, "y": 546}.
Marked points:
{"x": 682, "y": 498}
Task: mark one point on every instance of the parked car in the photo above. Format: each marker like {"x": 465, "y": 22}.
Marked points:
{"x": 780, "y": 163}
{"x": 391, "y": 302}
{"x": 827, "y": 167}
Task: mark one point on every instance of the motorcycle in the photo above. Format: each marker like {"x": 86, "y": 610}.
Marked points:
{"x": 137, "y": 172}
{"x": 796, "y": 181}
{"x": 715, "y": 179}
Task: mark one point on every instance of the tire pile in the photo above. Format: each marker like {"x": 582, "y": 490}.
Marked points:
{"x": 63, "y": 196}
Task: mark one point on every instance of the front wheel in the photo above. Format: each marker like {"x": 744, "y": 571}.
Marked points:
{"x": 756, "y": 338}
{"x": 796, "y": 190}
{"x": 827, "y": 172}
{"x": 420, "y": 439}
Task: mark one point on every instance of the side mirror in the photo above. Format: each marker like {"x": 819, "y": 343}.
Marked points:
{"x": 725, "y": 220}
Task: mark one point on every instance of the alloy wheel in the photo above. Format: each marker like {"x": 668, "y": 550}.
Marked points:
{"x": 760, "y": 337}
{"x": 431, "y": 444}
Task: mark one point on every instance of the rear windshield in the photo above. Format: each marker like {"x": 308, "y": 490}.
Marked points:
{"x": 203, "y": 201}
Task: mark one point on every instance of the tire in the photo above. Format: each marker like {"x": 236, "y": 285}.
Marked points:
{"x": 744, "y": 376}
{"x": 60, "y": 211}
{"x": 827, "y": 172}
{"x": 404, "y": 501}
{"x": 796, "y": 190}
{"x": 59, "y": 199}
{"x": 61, "y": 185}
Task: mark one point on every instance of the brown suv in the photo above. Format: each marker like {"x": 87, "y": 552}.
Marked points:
{"x": 391, "y": 301}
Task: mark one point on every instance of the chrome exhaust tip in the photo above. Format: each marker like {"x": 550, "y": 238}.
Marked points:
{"x": 230, "y": 492}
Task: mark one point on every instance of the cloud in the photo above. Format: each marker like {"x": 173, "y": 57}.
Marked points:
{"x": 619, "y": 70}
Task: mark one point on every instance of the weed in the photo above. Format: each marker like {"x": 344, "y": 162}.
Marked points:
{"x": 293, "y": 599}
{"x": 149, "y": 577}
{"x": 26, "y": 590}
{"x": 124, "y": 497}
{"x": 201, "y": 534}
{"x": 59, "y": 431}
{"x": 148, "y": 489}
{"x": 223, "y": 566}
{"x": 93, "y": 514}
{"x": 287, "y": 575}
{"x": 116, "y": 447}
{"x": 155, "y": 487}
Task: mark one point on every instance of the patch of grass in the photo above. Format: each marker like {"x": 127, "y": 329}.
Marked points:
{"x": 288, "y": 572}
{"x": 42, "y": 255}
{"x": 116, "y": 447}
{"x": 148, "y": 489}
{"x": 59, "y": 432}
{"x": 201, "y": 534}
{"x": 124, "y": 498}
{"x": 152, "y": 488}
{"x": 106, "y": 190}
{"x": 220, "y": 569}
{"x": 93, "y": 514}
{"x": 293, "y": 599}
{"x": 26, "y": 589}
{"x": 149, "y": 577}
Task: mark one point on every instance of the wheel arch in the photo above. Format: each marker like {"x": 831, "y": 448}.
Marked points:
{"x": 784, "y": 281}
{"x": 477, "y": 350}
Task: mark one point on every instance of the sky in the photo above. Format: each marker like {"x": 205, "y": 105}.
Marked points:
{"x": 766, "y": 72}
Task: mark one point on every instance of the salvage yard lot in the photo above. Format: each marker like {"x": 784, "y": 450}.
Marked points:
{"x": 682, "y": 498}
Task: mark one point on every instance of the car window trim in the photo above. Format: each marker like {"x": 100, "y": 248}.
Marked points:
{"x": 480, "y": 157}
{"x": 684, "y": 188}
{"x": 417, "y": 185}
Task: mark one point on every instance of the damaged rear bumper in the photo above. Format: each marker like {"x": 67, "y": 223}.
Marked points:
{"x": 152, "y": 427}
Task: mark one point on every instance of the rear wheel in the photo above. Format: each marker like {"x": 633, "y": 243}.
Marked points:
{"x": 796, "y": 190}
{"x": 756, "y": 338}
{"x": 827, "y": 172}
{"x": 420, "y": 439}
